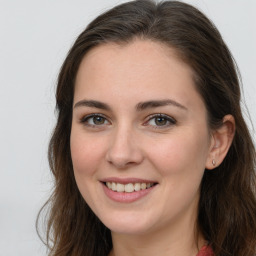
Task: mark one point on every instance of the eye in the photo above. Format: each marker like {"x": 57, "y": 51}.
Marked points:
{"x": 94, "y": 120}
{"x": 160, "y": 121}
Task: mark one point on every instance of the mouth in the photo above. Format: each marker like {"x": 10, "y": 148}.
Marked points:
{"x": 127, "y": 190}
{"x": 128, "y": 187}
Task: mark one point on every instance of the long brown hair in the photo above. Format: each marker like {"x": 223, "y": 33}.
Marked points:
{"x": 227, "y": 207}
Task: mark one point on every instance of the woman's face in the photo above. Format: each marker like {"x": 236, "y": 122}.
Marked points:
{"x": 139, "y": 138}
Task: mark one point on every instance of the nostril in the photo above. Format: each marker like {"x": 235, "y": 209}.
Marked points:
{"x": 121, "y": 163}
{"x": 123, "y": 153}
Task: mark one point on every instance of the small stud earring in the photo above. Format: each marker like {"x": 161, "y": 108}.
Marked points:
{"x": 213, "y": 162}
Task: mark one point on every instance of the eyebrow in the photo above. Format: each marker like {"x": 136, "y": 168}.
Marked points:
{"x": 92, "y": 104}
{"x": 158, "y": 103}
{"x": 139, "y": 107}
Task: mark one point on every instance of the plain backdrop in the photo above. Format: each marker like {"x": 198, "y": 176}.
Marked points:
{"x": 34, "y": 39}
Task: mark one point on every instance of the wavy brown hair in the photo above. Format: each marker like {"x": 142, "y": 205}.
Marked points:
{"x": 227, "y": 207}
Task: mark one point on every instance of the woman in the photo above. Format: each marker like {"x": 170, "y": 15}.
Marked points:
{"x": 151, "y": 154}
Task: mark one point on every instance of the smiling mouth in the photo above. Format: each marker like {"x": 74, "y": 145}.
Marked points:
{"x": 129, "y": 187}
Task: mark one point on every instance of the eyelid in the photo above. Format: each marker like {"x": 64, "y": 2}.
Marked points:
{"x": 170, "y": 119}
{"x": 85, "y": 118}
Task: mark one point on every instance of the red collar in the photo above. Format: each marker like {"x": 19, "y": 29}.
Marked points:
{"x": 206, "y": 251}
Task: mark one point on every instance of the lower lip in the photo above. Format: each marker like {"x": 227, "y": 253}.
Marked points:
{"x": 124, "y": 197}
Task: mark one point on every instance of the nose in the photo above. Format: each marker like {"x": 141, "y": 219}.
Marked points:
{"x": 124, "y": 150}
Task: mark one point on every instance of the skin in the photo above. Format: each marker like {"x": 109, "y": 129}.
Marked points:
{"x": 129, "y": 143}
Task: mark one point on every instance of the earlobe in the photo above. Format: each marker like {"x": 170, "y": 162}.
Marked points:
{"x": 221, "y": 141}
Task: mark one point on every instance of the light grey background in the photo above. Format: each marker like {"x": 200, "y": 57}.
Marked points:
{"x": 35, "y": 37}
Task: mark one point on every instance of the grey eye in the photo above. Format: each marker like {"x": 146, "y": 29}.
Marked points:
{"x": 94, "y": 120}
{"x": 98, "y": 120}
{"x": 160, "y": 121}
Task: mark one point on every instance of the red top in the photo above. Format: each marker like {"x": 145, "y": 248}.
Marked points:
{"x": 205, "y": 251}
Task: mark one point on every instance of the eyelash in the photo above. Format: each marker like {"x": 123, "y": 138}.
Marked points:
{"x": 85, "y": 119}
{"x": 171, "y": 121}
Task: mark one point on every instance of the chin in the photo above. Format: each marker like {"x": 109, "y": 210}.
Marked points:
{"x": 129, "y": 224}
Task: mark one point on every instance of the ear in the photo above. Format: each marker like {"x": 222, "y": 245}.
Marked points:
{"x": 221, "y": 141}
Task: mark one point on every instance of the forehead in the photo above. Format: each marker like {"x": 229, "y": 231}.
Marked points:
{"x": 140, "y": 70}
{"x": 131, "y": 54}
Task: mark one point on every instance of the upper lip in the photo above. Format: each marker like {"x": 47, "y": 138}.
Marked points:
{"x": 127, "y": 180}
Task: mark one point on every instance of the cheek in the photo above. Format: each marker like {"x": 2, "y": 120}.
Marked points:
{"x": 181, "y": 162}
{"x": 181, "y": 153}
{"x": 86, "y": 154}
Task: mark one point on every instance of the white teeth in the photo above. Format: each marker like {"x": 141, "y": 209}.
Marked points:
{"x": 113, "y": 186}
{"x": 119, "y": 187}
{"x": 137, "y": 187}
{"x": 128, "y": 188}
{"x": 109, "y": 185}
{"x": 143, "y": 186}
